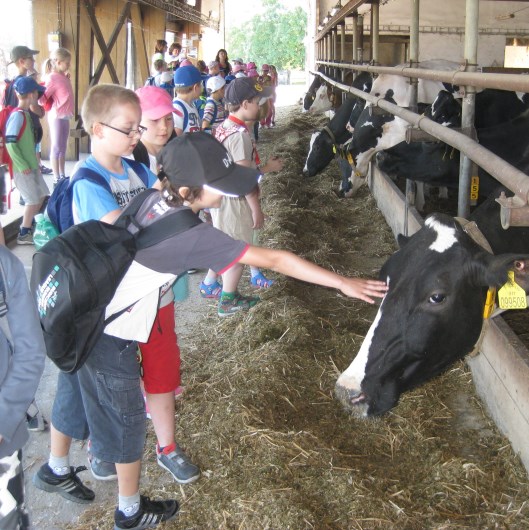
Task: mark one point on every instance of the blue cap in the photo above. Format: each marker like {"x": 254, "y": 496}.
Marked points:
{"x": 25, "y": 85}
{"x": 187, "y": 76}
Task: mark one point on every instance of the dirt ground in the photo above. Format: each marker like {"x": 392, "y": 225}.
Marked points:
{"x": 259, "y": 415}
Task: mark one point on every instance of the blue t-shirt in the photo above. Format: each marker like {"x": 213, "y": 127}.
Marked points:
{"x": 92, "y": 201}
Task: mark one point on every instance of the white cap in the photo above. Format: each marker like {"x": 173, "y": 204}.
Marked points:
{"x": 215, "y": 83}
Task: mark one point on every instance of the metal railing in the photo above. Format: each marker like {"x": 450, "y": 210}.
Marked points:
{"x": 505, "y": 173}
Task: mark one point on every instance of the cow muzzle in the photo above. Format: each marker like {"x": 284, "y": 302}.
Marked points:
{"x": 354, "y": 401}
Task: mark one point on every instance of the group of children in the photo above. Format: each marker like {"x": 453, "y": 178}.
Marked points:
{"x": 103, "y": 400}
{"x": 202, "y": 165}
{"x": 24, "y": 132}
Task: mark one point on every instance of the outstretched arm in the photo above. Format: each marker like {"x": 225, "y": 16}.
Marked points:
{"x": 291, "y": 265}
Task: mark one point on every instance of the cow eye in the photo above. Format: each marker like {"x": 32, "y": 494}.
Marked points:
{"x": 437, "y": 298}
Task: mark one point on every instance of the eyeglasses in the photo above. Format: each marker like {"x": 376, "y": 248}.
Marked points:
{"x": 129, "y": 134}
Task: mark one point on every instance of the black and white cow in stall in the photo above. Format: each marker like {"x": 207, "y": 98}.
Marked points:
{"x": 432, "y": 314}
{"x": 327, "y": 144}
{"x": 310, "y": 96}
{"x": 503, "y": 130}
{"x": 376, "y": 129}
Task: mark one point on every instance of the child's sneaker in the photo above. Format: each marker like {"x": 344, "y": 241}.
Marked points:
{"x": 26, "y": 239}
{"x": 210, "y": 291}
{"x": 151, "y": 513}
{"x": 260, "y": 281}
{"x": 174, "y": 460}
{"x": 68, "y": 486}
{"x": 231, "y": 304}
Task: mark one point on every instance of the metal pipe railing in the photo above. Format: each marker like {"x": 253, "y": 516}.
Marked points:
{"x": 515, "y": 82}
{"x": 509, "y": 176}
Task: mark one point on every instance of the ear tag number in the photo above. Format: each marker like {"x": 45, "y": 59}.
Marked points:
{"x": 489, "y": 302}
{"x": 511, "y": 295}
{"x": 474, "y": 188}
{"x": 334, "y": 149}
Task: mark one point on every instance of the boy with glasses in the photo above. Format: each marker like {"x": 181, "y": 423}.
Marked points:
{"x": 97, "y": 401}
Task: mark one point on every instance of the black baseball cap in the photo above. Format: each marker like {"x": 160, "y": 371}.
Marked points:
{"x": 197, "y": 159}
{"x": 244, "y": 88}
{"x": 19, "y": 52}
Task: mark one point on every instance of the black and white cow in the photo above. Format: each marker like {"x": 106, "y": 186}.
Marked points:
{"x": 432, "y": 313}
{"x": 328, "y": 143}
{"x": 503, "y": 129}
{"x": 310, "y": 96}
{"x": 376, "y": 129}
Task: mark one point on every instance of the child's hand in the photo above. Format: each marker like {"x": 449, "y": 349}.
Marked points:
{"x": 363, "y": 289}
{"x": 274, "y": 164}
{"x": 27, "y": 171}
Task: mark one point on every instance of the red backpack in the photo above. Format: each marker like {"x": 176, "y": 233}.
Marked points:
{"x": 5, "y": 112}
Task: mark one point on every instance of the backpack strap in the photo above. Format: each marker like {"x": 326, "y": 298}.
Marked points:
{"x": 4, "y": 324}
{"x": 24, "y": 123}
{"x": 91, "y": 175}
{"x": 160, "y": 230}
{"x": 139, "y": 168}
{"x": 184, "y": 110}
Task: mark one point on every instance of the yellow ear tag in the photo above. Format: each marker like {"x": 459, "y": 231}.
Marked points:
{"x": 334, "y": 149}
{"x": 474, "y": 188}
{"x": 511, "y": 295}
{"x": 350, "y": 158}
{"x": 489, "y": 302}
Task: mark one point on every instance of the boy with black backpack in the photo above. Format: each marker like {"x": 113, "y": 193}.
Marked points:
{"x": 113, "y": 416}
{"x": 197, "y": 171}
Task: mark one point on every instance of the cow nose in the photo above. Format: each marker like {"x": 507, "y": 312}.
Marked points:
{"x": 357, "y": 399}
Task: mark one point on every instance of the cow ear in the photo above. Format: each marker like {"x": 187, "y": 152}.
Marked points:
{"x": 402, "y": 240}
{"x": 491, "y": 271}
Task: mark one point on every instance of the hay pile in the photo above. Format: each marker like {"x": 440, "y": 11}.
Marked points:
{"x": 259, "y": 416}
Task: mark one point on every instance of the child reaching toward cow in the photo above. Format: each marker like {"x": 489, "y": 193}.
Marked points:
{"x": 197, "y": 172}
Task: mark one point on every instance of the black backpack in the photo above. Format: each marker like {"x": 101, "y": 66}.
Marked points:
{"x": 75, "y": 275}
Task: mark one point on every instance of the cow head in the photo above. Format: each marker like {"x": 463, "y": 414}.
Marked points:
{"x": 375, "y": 130}
{"x": 308, "y": 100}
{"x": 431, "y": 315}
{"x": 323, "y": 100}
{"x": 320, "y": 153}
{"x": 445, "y": 110}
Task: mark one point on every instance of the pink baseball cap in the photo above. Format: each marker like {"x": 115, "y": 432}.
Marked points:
{"x": 155, "y": 102}
{"x": 186, "y": 62}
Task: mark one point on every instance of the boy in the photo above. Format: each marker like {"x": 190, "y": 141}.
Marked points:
{"x": 188, "y": 88}
{"x": 21, "y": 365}
{"x": 197, "y": 170}
{"x": 111, "y": 115}
{"x": 23, "y": 58}
{"x": 20, "y": 143}
{"x": 239, "y": 218}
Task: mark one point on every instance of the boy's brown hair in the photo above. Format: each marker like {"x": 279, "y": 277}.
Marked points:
{"x": 103, "y": 102}
{"x": 185, "y": 89}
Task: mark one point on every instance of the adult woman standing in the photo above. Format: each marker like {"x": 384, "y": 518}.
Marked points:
{"x": 59, "y": 92}
{"x": 224, "y": 63}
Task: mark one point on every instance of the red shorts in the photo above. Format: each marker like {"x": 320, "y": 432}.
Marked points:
{"x": 161, "y": 354}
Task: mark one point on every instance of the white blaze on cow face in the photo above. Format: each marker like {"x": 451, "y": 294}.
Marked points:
{"x": 312, "y": 139}
{"x": 350, "y": 381}
{"x": 446, "y": 235}
{"x": 322, "y": 102}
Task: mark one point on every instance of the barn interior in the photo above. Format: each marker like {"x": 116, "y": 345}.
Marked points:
{"x": 260, "y": 415}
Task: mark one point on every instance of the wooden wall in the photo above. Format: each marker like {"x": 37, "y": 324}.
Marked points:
{"x": 79, "y": 35}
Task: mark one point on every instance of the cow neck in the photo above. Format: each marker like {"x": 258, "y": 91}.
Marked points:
{"x": 473, "y": 231}
{"x": 330, "y": 133}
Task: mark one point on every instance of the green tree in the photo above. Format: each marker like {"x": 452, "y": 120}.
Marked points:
{"x": 274, "y": 37}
